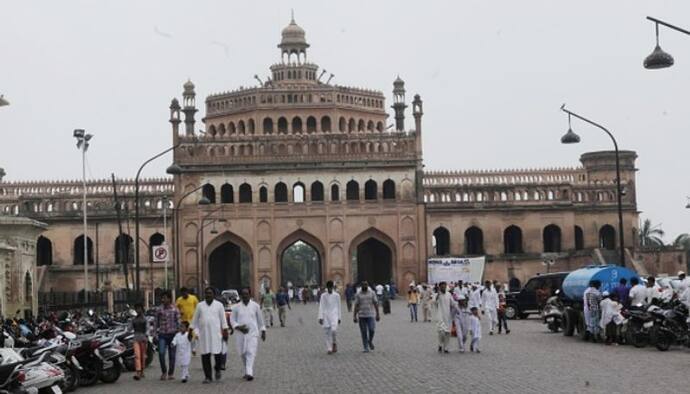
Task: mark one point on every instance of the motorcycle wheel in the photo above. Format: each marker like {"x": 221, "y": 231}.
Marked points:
{"x": 663, "y": 341}
{"x": 129, "y": 364}
{"x": 110, "y": 375}
{"x": 553, "y": 327}
{"x": 71, "y": 378}
{"x": 637, "y": 339}
{"x": 88, "y": 378}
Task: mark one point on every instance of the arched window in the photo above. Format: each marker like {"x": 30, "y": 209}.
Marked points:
{"x": 370, "y": 190}
{"x": 44, "y": 251}
{"x": 317, "y": 191}
{"x": 268, "y": 126}
{"x": 209, "y": 192}
{"x": 326, "y": 124}
{"x": 441, "y": 241}
{"x": 231, "y": 128}
{"x": 379, "y": 126}
{"x": 282, "y": 125}
{"x": 280, "y": 192}
{"x": 79, "y": 250}
{"x": 360, "y": 125}
{"x": 226, "y": 194}
{"x": 335, "y": 193}
{"x": 245, "y": 193}
{"x": 607, "y": 237}
{"x": 512, "y": 240}
{"x": 311, "y": 124}
{"x": 263, "y": 194}
{"x": 124, "y": 249}
{"x": 389, "y": 189}
{"x": 579, "y": 238}
{"x": 352, "y": 191}
{"x": 474, "y": 241}
{"x": 552, "y": 239}
{"x": 370, "y": 125}
{"x": 156, "y": 239}
{"x": 240, "y": 127}
{"x": 351, "y": 125}
{"x": 296, "y": 124}
{"x": 298, "y": 192}
{"x": 342, "y": 125}
{"x": 250, "y": 126}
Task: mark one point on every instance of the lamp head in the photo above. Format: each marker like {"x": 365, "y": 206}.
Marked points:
{"x": 204, "y": 201}
{"x": 174, "y": 169}
{"x": 570, "y": 137}
{"x": 658, "y": 59}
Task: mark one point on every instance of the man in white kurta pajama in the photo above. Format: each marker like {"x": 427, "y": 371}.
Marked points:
{"x": 248, "y": 320}
{"x": 490, "y": 305}
{"x": 329, "y": 316}
{"x": 444, "y": 319}
{"x": 210, "y": 325}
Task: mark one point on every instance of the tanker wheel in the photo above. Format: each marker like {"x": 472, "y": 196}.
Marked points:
{"x": 581, "y": 328}
{"x": 568, "y": 322}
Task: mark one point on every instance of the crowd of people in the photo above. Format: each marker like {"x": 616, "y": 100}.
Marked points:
{"x": 603, "y": 309}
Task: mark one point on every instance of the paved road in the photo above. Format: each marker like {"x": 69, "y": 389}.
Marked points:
{"x": 529, "y": 360}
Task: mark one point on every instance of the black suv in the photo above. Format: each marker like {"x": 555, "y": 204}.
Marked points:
{"x": 521, "y": 303}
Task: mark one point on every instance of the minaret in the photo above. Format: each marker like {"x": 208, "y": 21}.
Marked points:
{"x": 175, "y": 119}
{"x": 399, "y": 103}
{"x": 189, "y": 107}
{"x": 417, "y": 112}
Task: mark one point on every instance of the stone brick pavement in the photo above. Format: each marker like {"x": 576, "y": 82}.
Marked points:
{"x": 529, "y": 360}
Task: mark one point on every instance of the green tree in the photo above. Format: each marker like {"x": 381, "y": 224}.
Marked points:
{"x": 650, "y": 236}
{"x": 682, "y": 241}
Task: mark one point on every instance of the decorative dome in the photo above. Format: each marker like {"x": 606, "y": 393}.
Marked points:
{"x": 293, "y": 35}
{"x": 188, "y": 86}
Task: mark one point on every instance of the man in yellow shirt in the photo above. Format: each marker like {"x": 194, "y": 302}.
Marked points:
{"x": 186, "y": 303}
{"x": 412, "y": 301}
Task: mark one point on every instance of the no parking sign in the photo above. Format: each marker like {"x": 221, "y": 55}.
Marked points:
{"x": 160, "y": 254}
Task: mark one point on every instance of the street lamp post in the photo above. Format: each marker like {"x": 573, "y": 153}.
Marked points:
{"x": 571, "y": 138}
{"x": 176, "y": 229}
{"x": 659, "y": 58}
{"x": 83, "y": 145}
{"x": 200, "y": 239}
{"x": 173, "y": 169}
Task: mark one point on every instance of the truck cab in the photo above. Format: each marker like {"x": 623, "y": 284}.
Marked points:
{"x": 521, "y": 304}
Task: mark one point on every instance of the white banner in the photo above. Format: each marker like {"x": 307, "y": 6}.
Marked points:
{"x": 160, "y": 254}
{"x": 453, "y": 269}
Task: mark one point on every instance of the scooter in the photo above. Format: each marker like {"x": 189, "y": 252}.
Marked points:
{"x": 673, "y": 327}
{"x": 553, "y": 313}
{"x": 38, "y": 373}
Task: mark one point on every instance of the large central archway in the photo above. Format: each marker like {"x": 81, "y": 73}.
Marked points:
{"x": 229, "y": 263}
{"x": 300, "y": 264}
{"x": 301, "y": 259}
{"x": 373, "y": 258}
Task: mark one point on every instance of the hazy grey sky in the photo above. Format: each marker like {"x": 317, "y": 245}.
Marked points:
{"x": 492, "y": 75}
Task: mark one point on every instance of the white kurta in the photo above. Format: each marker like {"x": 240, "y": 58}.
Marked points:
{"x": 183, "y": 348}
{"x": 475, "y": 299}
{"x": 490, "y": 298}
{"x": 444, "y": 319}
{"x": 209, "y": 322}
{"x": 248, "y": 315}
{"x": 329, "y": 310}
{"x": 610, "y": 311}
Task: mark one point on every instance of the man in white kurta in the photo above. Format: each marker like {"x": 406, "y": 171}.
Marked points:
{"x": 248, "y": 321}
{"x": 329, "y": 316}
{"x": 490, "y": 304}
{"x": 210, "y": 325}
{"x": 444, "y": 319}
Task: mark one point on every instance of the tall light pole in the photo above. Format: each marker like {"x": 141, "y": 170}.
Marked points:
{"x": 83, "y": 145}
{"x": 571, "y": 138}
{"x": 173, "y": 169}
{"x": 659, "y": 58}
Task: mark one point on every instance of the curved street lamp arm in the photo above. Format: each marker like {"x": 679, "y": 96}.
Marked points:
{"x": 670, "y": 26}
{"x": 593, "y": 123}
{"x": 136, "y": 179}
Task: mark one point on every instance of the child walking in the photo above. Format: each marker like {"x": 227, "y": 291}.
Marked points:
{"x": 476, "y": 329}
{"x": 183, "y": 353}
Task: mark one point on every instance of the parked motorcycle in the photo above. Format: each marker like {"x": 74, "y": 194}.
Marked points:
{"x": 39, "y": 374}
{"x": 673, "y": 327}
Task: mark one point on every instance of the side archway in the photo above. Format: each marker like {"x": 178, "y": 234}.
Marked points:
{"x": 301, "y": 258}
{"x": 228, "y": 262}
{"x": 373, "y": 257}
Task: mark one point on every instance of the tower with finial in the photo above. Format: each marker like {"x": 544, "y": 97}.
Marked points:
{"x": 399, "y": 103}
{"x": 175, "y": 119}
{"x": 293, "y": 43}
{"x": 189, "y": 103}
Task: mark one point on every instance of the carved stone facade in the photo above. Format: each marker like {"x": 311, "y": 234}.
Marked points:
{"x": 297, "y": 158}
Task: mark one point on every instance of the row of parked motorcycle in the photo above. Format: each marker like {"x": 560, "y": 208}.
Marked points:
{"x": 662, "y": 323}
{"x": 59, "y": 356}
